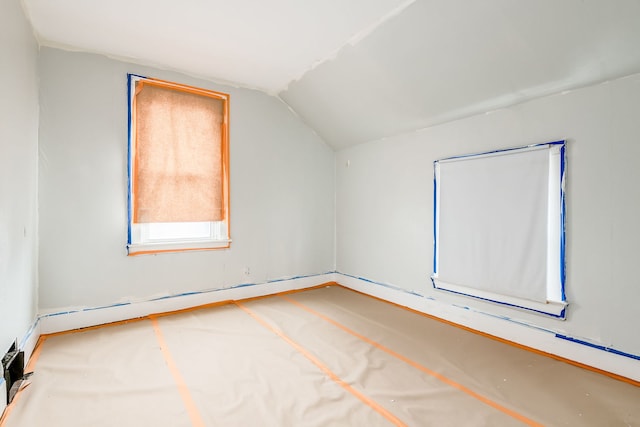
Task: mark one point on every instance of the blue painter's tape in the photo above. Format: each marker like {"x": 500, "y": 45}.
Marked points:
{"x": 435, "y": 228}
{"x": 130, "y": 78}
{"x": 29, "y": 333}
{"x": 455, "y": 305}
{"x": 62, "y": 313}
{"x": 106, "y": 306}
{"x": 244, "y": 285}
{"x": 562, "y": 314}
{"x": 184, "y": 294}
{"x": 562, "y": 222}
{"x": 59, "y": 313}
{"x": 298, "y": 277}
{"x": 503, "y": 150}
{"x": 599, "y": 347}
{"x": 395, "y": 288}
{"x": 517, "y": 322}
{"x": 138, "y": 76}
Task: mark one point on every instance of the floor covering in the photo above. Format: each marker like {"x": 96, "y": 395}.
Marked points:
{"x": 327, "y": 356}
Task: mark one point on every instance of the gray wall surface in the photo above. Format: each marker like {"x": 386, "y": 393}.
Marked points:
{"x": 385, "y": 204}
{"x": 18, "y": 174}
{"x": 282, "y": 191}
{"x": 439, "y": 61}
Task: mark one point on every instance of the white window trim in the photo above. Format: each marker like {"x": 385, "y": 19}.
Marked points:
{"x": 139, "y": 248}
{"x": 141, "y": 235}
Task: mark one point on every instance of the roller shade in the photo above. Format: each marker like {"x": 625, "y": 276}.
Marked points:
{"x": 499, "y": 224}
{"x": 178, "y": 155}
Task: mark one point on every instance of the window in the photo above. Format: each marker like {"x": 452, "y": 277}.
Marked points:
{"x": 178, "y": 167}
{"x": 499, "y": 227}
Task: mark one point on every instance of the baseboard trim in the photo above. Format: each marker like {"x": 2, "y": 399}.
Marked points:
{"x": 78, "y": 318}
{"x": 539, "y": 339}
{"x": 616, "y": 364}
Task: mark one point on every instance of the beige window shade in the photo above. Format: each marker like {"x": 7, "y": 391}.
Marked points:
{"x": 178, "y": 174}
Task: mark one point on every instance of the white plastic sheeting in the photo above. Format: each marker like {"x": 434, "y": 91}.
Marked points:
{"x": 498, "y": 224}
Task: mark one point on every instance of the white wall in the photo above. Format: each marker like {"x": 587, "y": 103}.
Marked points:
{"x": 385, "y": 205}
{"x": 18, "y": 173}
{"x": 282, "y": 192}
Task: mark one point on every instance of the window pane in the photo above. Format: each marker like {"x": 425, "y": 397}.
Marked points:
{"x": 178, "y": 230}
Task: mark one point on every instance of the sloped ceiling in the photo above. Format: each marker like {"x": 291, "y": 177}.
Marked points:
{"x": 360, "y": 70}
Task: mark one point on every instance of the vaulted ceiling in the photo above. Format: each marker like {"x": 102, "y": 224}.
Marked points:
{"x": 361, "y": 70}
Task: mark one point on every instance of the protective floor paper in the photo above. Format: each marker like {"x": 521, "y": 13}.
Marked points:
{"x": 322, "y": 357}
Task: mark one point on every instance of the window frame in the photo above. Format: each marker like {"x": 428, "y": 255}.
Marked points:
{"x": 138, "y": 240}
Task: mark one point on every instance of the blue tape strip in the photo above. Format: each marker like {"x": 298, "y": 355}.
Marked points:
{"x": 130, "y": 78}
{"x": 435, "y": 228}
{"x": 29, "y": 333}
{"x": 562, "y": 314}
{"x": 517, "y": 322}
{"x": 465, "y": 307}
{"x": 562, "y": 222}
{"x": 503, "y": 150}
{"x": 599, "y": 347}
{"x": 106, "y": 306}
{"x": 61, "y": 313}
{"x": 296, "y": 277}
{"x": 243, "y": 285}
{"x": 557, "y": 335}
{"x": 386, "y": 285}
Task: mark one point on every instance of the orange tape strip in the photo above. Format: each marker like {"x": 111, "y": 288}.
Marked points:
{"x": 416, "y": 365}
{"x": 503, "y": 340}
{"x": 382, "y": 411}
{"x": 192, "y": 410}
{"x": 183, "y": 88}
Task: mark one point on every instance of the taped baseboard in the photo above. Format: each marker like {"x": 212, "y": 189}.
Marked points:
{"x": 77, "y": 318}
{"x": 544, "y": 340}
{"x": 29, "y": 341}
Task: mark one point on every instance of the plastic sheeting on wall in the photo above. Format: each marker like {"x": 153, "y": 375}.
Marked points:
{"x": 498, "y": 224}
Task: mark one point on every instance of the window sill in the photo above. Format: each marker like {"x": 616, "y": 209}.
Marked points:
{"x": 550, "y": 308}
{"x": 168, "y": 247}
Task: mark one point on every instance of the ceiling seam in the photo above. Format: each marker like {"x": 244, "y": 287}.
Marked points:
{"x": 352, "y": 41}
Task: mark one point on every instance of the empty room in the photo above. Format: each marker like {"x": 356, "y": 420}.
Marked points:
{"x": 319, "y": 213}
